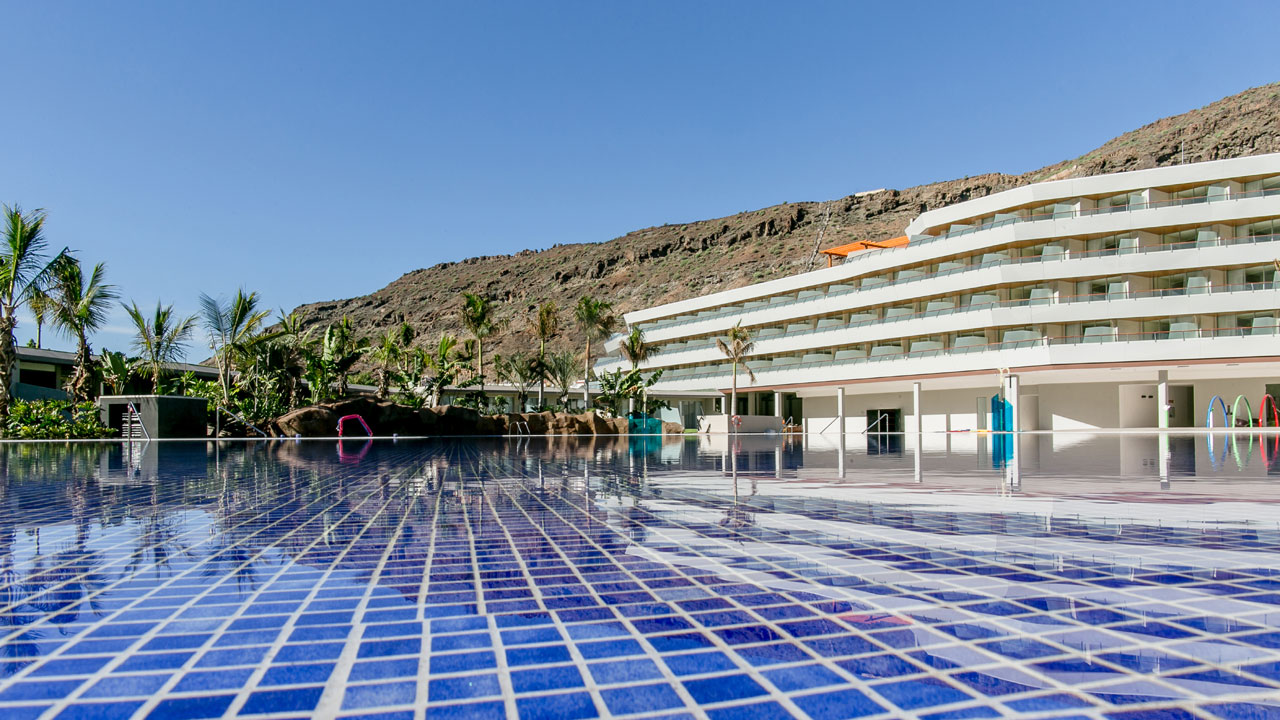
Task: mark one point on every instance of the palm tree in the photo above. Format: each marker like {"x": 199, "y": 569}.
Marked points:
{"x": 477, "y": 318}
{"x": 232, "y": 326}
{"x": 38, "y": 304}
{"x": 444, "y": 361}
{"x": 287, "y": 350}
{"x": 345, "y": 341}
{"x": 78, "y": 303}
{"x": 160, "y": 339}
{"x": 737, "y": 348}
{"x": 562, "y": 368}
{"x": 520, "y": 370}
{"x": 635, "y": 350}
{"x": 24, "y": 270}
{"x": 116, "y": 370}
{"x": 389, "y": 352}
{"x": 596, "y": 320}
{"x": 544, "y": 326}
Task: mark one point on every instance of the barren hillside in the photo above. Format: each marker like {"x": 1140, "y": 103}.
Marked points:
{"x": 673, "y": 262}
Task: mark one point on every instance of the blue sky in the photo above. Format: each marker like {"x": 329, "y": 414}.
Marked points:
{"x": 318, "y": 150}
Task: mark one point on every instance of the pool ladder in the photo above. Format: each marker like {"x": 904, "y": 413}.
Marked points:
{"x": 132, "y": 428}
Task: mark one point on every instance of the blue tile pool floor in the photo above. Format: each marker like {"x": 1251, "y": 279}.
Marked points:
{"x": 505, "y": 579}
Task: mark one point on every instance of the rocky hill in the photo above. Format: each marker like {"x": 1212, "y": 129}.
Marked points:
{"x": 674, "y": 262}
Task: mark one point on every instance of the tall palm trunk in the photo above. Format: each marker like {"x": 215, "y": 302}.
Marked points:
{"x": 81, "y": 383}
{"x": 733, "y": 397}
{"x": 586, "y": 379}
{"x": 384, "y": 383}
{"x": 8, "y": 358}
{"x": 542, "y": 372}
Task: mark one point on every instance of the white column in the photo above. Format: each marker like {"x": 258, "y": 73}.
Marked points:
{"x": 777, "y": 403}
{"x": 1012, "y": 395}
{"x": 1162, "y": 401}
{"x": 916, "y": 444}
{"x": 915, "y": 399}
{"x": 840, "y": 451}
{"x": 840, "y": 410}
{"x": 1165, "y": 457}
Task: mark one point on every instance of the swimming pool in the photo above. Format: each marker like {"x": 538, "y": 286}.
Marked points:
{"x": 961, "y": 576}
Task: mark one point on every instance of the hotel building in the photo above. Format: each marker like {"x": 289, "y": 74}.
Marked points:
{"x": 1130, "y": 300}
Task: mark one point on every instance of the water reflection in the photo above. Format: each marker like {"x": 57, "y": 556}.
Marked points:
{"x": 964, "y": 538}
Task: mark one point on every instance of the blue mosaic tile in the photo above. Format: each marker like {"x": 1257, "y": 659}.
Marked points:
{"x": 641, "y": 699}
{"x": 733, "y": 687}
{"x": 99, "y": 711}
{"x": 334, "y": 563}
{"x": 276, "y": 701}
{"x": 920, "y": 693}
{"x": 468, "y": 711}
{"x": 126, "y": 686}
{"x": 697, "y": 663}
{"x": 211, "y": 706}
{"x": 753, "y": 711}
{"x": 838, "y": 705}
{"x": 570, "y": 706}
{"x": 379, "y": 695}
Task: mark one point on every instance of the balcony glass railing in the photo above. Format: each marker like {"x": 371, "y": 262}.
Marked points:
{"x": 1070, "y": 214}
{"x": 926, "y": 240}
{"x": 1193, "y": 245}
{"x": 724, "y": 369}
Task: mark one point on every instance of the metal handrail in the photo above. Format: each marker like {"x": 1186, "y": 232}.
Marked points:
{"x": 879, "y": 417}
{"x": 237, "y": 416}
{"x": 1007, "y": 345}
{"x": 133, "y": 411}
{"x": 1022, "y": 302}
{"x": 1106, "y": 252}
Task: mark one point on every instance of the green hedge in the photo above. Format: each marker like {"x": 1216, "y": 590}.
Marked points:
{"x": 53, "y": 420}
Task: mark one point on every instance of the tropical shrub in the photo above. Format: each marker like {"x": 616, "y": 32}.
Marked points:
{"x": 55, "y": 419}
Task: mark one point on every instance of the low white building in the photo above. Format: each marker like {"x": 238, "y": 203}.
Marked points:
{"x": 1116, "y": 301}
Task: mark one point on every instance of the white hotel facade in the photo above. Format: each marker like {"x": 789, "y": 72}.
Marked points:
{"x": 1129, "y": 300}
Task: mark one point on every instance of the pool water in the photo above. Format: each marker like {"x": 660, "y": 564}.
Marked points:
{"x": 951, "y": 576}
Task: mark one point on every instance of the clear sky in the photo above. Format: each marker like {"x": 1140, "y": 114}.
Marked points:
{"x": 317, "y": 150}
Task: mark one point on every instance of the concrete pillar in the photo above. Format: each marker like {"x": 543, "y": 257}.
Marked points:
{"x": 1013, "y": 467}
{"x": 916, "y": 446}
{"x": 777, "y": 404}
{"x": 918, "y": 423}
{"x": 752, "y": 403}
{"x": 840, "y": 410}
{"x": 1162, "y": 400}
{"x": 840, "y": 451}
{"x": 1012, "y": 395}
{"x": 1164, "y": 459}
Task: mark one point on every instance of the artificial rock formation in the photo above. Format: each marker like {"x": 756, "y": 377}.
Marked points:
{"x": 386, "y": 418}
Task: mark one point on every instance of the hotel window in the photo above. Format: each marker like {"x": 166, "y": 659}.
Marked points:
{"x": 41, "y": 376}
{"x": 1172, "y": 284}
{"x": 1261, "y": 229}
{"x": 1266, "y": 186}
{"x": 1118, "y": 203}
{"x": 1181, "y": 237}
{"x": 1190, "y": 196}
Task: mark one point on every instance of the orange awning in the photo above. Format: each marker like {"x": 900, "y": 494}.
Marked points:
{"x": 859, "y": 246}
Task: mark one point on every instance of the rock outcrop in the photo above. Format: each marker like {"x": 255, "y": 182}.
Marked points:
{"x": 386, "y": 418}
